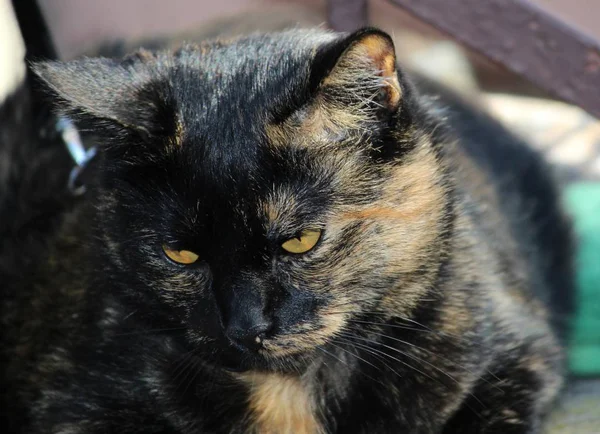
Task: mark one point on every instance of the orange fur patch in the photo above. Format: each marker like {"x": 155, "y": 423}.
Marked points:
{"x": 381, "y": 213}
{"x": 381, "y": 52}
{"x": 280, "y": 404}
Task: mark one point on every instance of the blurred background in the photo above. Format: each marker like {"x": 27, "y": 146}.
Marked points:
{"x": 566, "y": 134}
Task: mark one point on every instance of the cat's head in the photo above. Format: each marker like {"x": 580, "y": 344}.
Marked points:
{"x": 267, "y": 192}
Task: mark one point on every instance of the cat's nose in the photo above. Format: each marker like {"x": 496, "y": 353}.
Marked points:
{"x": 247, "y": 324}
{"x": 250, "y": 338}
{"x": 246, "y": 314}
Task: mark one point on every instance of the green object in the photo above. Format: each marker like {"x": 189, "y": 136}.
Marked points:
{"x": 583, "y": 203}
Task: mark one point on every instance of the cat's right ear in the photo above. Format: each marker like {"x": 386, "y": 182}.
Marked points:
{"x": 109, "y": 94}
{"x": 358, "y": 73}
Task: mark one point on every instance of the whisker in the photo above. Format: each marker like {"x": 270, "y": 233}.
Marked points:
{"x": 355, "y": 311}
{"x": 354, "y": 301}
{"x": 423, "y": 329}
{"x": 392, "y": 357}
{"x": 452, "y": 362}
{"x": 416, "y": 359}
{"x": 126, "y": 317}
{"x": 374, "y": 354}
{"x": 355, "y": 355}
{"x": 212, "y": 382}
{"x": 360, "y": 358}
{"x": 195, "y": 372}
{"x": 181, "y": 367}
{"x": 334, "y": 356}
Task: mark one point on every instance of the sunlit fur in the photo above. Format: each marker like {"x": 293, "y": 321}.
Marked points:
{"x": 427, "y": 304}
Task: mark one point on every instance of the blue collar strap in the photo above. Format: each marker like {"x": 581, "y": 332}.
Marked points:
{"x": 80, "y": 155}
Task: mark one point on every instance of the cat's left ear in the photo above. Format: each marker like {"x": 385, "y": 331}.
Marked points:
{"x": 110, "y": 94}
{"x": 359, "y": 71}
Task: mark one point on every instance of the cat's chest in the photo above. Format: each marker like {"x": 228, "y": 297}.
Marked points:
{"x": 279, "y": 404}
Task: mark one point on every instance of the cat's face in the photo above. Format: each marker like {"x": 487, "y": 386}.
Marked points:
{"x": 265, "y": 193}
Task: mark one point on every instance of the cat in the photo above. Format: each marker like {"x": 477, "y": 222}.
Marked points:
{"x": 285, "y": 233}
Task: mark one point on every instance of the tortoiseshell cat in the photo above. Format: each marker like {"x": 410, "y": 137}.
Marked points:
{"x": 285, "y": 234}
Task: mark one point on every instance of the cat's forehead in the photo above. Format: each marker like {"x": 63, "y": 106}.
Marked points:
{"x": 226, "y": 95}
{"x": 260, "y": 50}
{"x": 258, "y": 64}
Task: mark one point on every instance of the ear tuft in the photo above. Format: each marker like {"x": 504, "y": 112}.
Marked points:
{"x": 378, "y": 50}
{"x": 367, "y": 63}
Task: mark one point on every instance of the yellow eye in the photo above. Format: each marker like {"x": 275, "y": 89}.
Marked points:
{"x": 303, "y": 243}
{"x": 184, "y": 257}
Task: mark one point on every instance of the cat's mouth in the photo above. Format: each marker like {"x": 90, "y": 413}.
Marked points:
{"x": 241, "y": 361}
{"x": 234, "y": 359}
{"x": 283, "y": 353}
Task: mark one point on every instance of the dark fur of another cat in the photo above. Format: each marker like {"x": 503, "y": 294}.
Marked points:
{"x": 433, "y": 302}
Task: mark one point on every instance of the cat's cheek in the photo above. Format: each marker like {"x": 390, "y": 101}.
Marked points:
{"x": 303, "y": 338}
